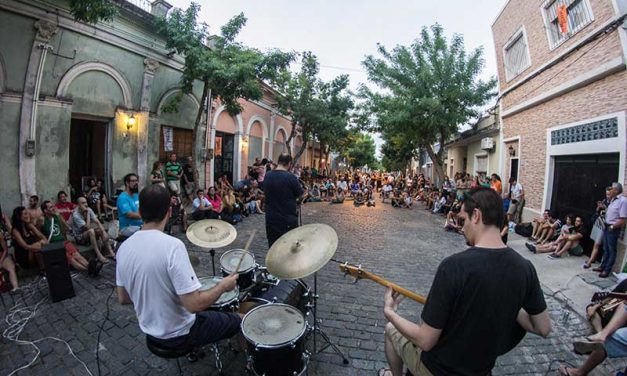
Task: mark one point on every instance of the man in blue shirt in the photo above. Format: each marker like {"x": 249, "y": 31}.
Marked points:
{"x": 128, "y": 206}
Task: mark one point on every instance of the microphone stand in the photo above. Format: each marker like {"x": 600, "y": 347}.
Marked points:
{"x": 314, "y": 305}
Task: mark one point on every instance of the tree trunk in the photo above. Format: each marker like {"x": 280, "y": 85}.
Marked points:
{"x": 289, "y": 139}
{"x": 300, "y": 152}
{"x": 197, "y": 135}
{"x": 437, "y": 164}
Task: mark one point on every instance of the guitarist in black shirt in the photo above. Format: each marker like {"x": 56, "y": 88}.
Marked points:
{"x": 482, "y": 302}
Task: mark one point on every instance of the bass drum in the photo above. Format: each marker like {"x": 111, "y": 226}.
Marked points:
{"x": 292, "y": 292}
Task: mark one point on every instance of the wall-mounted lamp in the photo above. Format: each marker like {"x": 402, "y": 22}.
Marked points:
{"x": 130, "y": 123}
{"x": 512, "y": 151}
{"x": 245, "y": 139}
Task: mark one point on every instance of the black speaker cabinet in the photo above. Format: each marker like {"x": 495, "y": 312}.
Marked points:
{"x": 57, "y": 272}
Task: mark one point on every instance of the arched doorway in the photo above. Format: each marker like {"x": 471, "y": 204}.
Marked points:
{"x": 279, "y": 144}
{"x": 224, "y": 147}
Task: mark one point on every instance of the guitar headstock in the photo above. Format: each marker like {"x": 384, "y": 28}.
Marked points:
{"x": 599, "y": 296}
{"x": 353, "y": 270}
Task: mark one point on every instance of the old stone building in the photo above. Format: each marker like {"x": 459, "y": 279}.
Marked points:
{"x": 80, "y": 100}
{"x": 562, "y": 94}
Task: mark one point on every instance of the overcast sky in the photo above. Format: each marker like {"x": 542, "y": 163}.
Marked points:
{"x": 342, "y": 32}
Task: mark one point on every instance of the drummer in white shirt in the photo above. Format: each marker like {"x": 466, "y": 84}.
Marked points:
{"x": 155, "y": 275}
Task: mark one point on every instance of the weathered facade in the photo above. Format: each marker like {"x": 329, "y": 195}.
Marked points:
{"x": 82, "y": 100}
{"x": 563, "y": 103}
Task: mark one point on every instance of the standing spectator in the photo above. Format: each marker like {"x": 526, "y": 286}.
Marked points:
{"x": 282, "y": 190}
{"x": 202, "y": 207}
{"x": 517, "y": 197}
{"x": 34, "y": 210}
{"x": 496, "y": 184}
{"x": 615, "y": 217}
{"x": 156, "y": 176}
{"x": 87, "y": 229}
{"x": 598, "y": 227}
{"x": 94, "y": 197}
{"x": 64, "y": 207}
{"x": 189, "y": 181}
{"x": 128, "y": 206}
{"x": 261, "y": 171}
{"x": 27, "y": 240}
{"x": 173, "y": 172}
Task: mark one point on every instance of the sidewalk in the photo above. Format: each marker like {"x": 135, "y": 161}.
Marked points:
{"x": 564, "y": 278}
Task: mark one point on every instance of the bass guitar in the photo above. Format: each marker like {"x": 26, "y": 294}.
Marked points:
{"x": 358, "y": 273}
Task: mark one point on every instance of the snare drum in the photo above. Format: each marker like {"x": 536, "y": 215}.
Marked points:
{"x": 228, "y": 301}
{"x": 229, "y": 261}
{"x": 276, "y": 337}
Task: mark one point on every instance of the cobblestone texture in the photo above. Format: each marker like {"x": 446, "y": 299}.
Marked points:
{"x": 404, "y": 246}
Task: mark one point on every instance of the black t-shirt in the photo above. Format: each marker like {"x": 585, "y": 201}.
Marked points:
{"x": 189, "y": 173}
{"x": 281, "y": 189}
{"x": 475, "y": 299}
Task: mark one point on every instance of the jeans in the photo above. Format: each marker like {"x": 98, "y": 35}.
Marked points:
{"x": 276, "y": 230}
{"x": 610, "y": 239}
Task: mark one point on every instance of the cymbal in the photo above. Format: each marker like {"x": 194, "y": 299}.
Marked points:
{"x": 302, "y": 251}
{"x": 211, "y": 233}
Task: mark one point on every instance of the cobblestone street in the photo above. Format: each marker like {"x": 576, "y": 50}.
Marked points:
{"x": 404, "y": 246}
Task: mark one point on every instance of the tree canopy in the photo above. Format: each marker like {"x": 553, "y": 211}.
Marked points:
{"x": 320, "y": 110}
{"x": 426, "y": 91}
{"x": 359, "y": 149}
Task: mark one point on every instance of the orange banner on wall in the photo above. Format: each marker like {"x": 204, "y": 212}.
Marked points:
{"x": 562, "y": 18}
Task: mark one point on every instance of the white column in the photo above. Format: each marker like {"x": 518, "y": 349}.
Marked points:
{"x": 237, "y": 157}
{"x": 150, "y": 67}
{"x": 271, "y": 136}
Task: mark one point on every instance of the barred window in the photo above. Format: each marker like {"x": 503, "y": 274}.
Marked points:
{"x": 516, "y": 56}
{"x": 579, "y": 16}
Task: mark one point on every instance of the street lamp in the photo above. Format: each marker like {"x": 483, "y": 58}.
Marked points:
{"x": 130, "y": 122}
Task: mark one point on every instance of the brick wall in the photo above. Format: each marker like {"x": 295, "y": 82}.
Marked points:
{"x": 597, "y": 99}
{"x": 529, "y": 13}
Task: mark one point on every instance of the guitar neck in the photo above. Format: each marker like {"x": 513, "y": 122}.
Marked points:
{"x": 401, "y": 290}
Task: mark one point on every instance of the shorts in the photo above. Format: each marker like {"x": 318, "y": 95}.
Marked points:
{"x": 616, "y": 344}
{"x": 576, "y": 250}
{"x": 190, "y": 188}
{"x": 513, "y": 207}
{"x": 410, "y": 353}
{"x": 174, "y": 186}
{"x": 209, "y": 327}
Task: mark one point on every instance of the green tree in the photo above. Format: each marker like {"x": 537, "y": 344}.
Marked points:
{"x": 361, "y": 150}
{"x": 427, "y": 90}
{"x": 92, "y": 11}
{"x": 319, "y": 110}
{"x": 397, "y": 151}
{"x": 231, "y": 70}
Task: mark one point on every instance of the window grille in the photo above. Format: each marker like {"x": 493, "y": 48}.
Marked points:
{"x": 516, "y": 56}
{"x": 579, "y": 16}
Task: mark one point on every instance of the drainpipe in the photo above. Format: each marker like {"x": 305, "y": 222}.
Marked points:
{"x": 30, "y": 143}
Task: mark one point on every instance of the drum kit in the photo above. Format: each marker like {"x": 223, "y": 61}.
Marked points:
{"x": 276, "y": 301}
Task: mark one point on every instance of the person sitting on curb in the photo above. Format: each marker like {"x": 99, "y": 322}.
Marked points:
{"x": 202, "y": 207}
{"x": 538, "y": 224}
{"x": 64, "y": 207}
{"x": 6, "y": 260}
{"x": 571, "y": 241}
{"x": 610, "y": 342}
{"x": 54, "y": 228}
{"x": 87, "y": 229}
{"x": 27, "y": 240}
{"x": 552, "y": 246}
{"x": 548, "y": 229}
{"x": 339, "y": 198}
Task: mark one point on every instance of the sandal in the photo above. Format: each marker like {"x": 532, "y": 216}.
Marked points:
{"x": 586, "y": 347}
{"x": 384, "y": 372}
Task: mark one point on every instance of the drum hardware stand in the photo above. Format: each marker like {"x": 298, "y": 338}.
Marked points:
{"x": 212, "y": 252}
{"x": 318, "y": 330}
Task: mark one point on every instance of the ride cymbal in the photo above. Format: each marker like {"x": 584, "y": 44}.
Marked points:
{"x": 302, "y": 251}
{"x": 211, "y": 233}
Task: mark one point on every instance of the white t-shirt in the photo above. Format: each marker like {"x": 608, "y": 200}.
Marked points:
{"x": 196, "y": 203}
{"x": 516, "y": 191}
{"x": 154, "y": 269}
{"x": 342, "y": 184}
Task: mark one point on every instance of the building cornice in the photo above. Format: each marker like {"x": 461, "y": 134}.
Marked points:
{"x": 100, "y": 31}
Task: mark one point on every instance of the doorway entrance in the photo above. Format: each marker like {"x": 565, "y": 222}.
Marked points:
{"x": 223, "y": 155}
{"x": 88, "y": 153}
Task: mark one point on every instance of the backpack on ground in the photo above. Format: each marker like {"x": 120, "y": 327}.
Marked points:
{"x": 524, "y": 229}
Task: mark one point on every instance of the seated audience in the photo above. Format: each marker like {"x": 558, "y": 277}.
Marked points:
{"x": 407, "y": 200}
{"x": 397, "y": 200}
{"x": 27, "y": 240}
{"x": 599, "y": 314}
{"x": 314, "y": 194}
{"x": 202, "y": 207}
{"x": 128, "y": 207}
{"x": 538, "y": 224}
{"x": 64, "y": 207}
{"x": 6, "y": 260}
{"x": 87, "y": 229}
{"x": 549, "y": 229}
{"x": 178, "y": 216}
{"x": 215, "y": 200}
{"x": 339, "y": 197}
{"x": 571, "y": 240}
{"x": 34, "y": 210}
{"x": 553, "y": 245}
{"x": 54, "y": 229}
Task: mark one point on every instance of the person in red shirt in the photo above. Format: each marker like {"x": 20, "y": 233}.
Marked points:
{"x": 64, "y": 207}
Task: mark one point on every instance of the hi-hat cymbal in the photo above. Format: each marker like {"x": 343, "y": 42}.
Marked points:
{"x": 211, "y": 233}
{"x": 302, "y": 251}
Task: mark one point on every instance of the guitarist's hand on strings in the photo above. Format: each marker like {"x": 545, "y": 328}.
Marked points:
{"x": 392, "y": 299}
